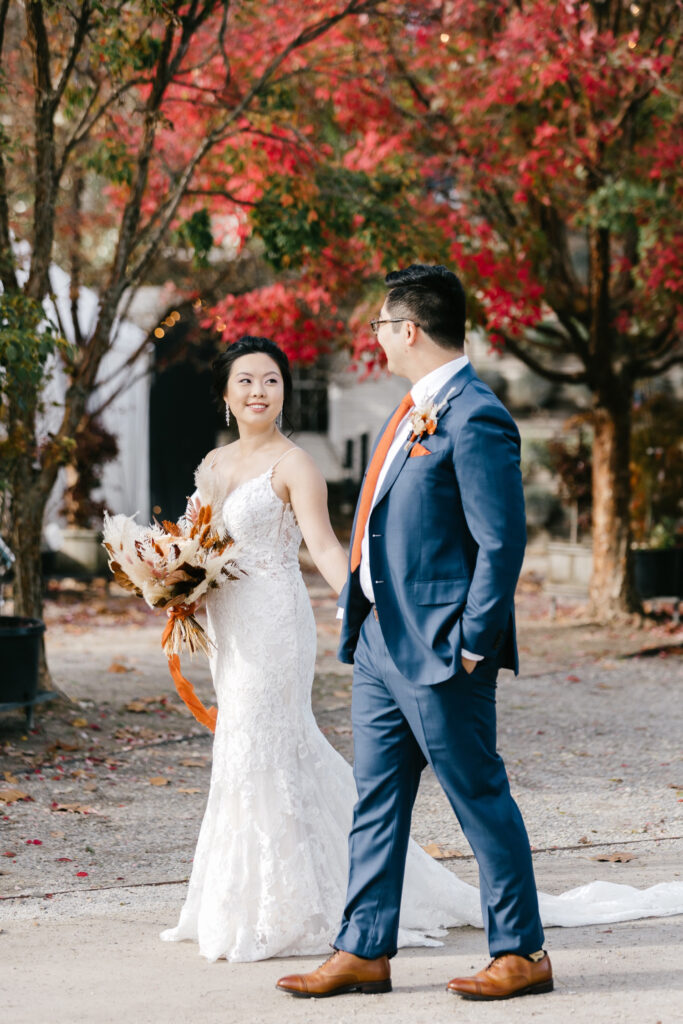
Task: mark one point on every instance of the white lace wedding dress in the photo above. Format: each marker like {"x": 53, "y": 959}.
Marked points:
{"x": 270, "y": 869}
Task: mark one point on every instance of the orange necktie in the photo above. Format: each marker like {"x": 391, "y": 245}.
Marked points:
{"x": 374, "y": 469}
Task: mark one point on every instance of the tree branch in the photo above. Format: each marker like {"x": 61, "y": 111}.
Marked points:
{"x": 84, "y": 128}
{"x": 129, "y": 382}
{"x": 45, "y": 180}
{"x": 82, "y": 25}
{"x": 306, "y": 36}
{"x": 558, "y": 376}
{"x": 8, "y": 275}
{"x": 658, "y": 346}
{"x": 4, "y": 7}
{"x": 655, "y": 369}
{"x": 220, "y": 192}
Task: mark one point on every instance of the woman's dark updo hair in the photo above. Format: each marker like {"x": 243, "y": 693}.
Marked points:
{"x": 245, "y": 346}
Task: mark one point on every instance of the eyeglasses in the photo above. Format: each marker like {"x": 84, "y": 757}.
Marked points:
{"x": 376, "y": 324}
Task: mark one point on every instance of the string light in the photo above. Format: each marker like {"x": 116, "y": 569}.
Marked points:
{"x": 445, "y": 37}
{"x": 635, "y": 10}
{"x": 159, "y": 332}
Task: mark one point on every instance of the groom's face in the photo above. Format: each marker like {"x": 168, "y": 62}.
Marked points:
{"x": 391, "y": 340}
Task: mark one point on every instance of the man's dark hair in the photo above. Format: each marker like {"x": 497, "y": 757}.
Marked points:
{"x": 433, "y": 298}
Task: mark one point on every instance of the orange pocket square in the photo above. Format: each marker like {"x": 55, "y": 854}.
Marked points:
{"x": 419, "y": 449}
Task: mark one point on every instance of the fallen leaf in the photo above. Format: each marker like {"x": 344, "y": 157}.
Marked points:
{"x": 137, "y": 705}
{"x": 10, "y": 796}
{"x": 79, "y": 723}
{"x": 159, "y": 780}
{"x": 34, "y": 842}
{"x": 117, "y": 666}
{"x": 136, "y": 732}
{"x": 12, "y": 779}
{"x": 191, "y": 789}
{"x": 341, "y": 694}
{"x": 583, "y": 839}
{"x": 63, "y": 745}
{"x": 573, "y": 679}
{"x": 615, "y": 858}
{"x": 9, "y": 853}
{"x": 57, "y": 835}
{"x": 64, "y": 859}
{"x": 73, "y": 808}
{"x": 193, "y": 764}
{"x": 81, "y": 874}
{"x": 440, "y": 852}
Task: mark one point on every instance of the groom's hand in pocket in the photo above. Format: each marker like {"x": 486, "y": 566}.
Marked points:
{"x": 469, "y": 665}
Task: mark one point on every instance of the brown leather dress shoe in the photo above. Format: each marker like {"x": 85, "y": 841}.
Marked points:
{"x": 506, "y": 976}
{"x": 342, "y": 972}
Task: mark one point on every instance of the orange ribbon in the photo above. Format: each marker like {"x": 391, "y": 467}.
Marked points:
{"x": 186, "y": 691}
{"x": 207, "y": 716}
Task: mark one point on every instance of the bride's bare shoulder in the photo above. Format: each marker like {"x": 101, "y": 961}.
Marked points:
{"x": 299, "y": 465}
{"x": 217, "y": 456}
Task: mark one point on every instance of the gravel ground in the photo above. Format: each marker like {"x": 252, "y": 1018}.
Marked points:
{"x": 96, "y": 855}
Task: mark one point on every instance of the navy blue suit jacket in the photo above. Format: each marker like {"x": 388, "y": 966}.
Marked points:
{"x": 447, "y": 537}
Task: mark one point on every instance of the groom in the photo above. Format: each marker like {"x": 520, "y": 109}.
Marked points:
{"x": 428, "y": 620}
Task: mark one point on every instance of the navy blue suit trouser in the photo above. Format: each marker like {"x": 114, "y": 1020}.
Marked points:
{"x": 398, "y": 728}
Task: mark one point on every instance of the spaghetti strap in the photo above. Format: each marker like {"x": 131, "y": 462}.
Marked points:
{"x": 283, "y": 456}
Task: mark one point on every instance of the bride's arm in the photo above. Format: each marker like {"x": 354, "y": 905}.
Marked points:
{"x": 308, "y": 495}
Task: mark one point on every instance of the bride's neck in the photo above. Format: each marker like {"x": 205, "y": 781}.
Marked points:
{"x": 250, "y": 442}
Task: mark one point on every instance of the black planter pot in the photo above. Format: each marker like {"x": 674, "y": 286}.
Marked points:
{"x": 19, "y": 664}
{"x": 658, "y": 572}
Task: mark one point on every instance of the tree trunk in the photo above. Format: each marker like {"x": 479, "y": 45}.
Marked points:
{"x": 611, "y": 591}
{"x": 25, "y": 542}
{"x": 29, "y": 498}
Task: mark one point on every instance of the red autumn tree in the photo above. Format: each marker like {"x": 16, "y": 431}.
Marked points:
{"x": 121, "y": 128}
{"x": 549, "y": 137}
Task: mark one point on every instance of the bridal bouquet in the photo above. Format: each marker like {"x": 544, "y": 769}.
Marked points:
{"x": 172, "y": 566}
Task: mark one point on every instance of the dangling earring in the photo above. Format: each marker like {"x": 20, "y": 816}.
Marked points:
{"x": 227, "y": 415}
{"x": 278, "y": 421}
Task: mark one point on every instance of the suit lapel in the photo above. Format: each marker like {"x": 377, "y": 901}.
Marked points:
{"x": 392, "y": 472}
{"x": 451, "y": 389}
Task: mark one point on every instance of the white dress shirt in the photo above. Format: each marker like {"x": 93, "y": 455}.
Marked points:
{"x": 422, "y": 391}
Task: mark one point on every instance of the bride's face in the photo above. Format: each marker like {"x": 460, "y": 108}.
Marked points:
{"x": 255, "y": 391}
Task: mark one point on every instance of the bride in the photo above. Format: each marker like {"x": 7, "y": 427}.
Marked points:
{"x": 270, "y": 869}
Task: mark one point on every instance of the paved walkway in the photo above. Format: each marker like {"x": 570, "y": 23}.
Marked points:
{"x": 96, "y": 858}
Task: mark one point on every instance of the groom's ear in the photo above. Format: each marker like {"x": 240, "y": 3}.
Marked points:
{"x": 411, "y": 332}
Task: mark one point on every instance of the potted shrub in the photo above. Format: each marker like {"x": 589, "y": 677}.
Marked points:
{"x": 656, "y": 505}
{"x": 20, "y": 645}
{"x": 658, "y": 565}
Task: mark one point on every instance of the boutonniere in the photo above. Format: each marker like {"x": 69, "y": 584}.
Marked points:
{"x": 423, "y": 419}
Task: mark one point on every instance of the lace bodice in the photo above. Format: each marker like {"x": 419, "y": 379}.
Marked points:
{"x": 264, "y": 527}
